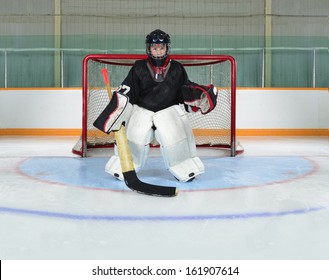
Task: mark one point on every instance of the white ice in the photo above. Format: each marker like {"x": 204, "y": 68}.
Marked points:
{"x": 292, "y": 235}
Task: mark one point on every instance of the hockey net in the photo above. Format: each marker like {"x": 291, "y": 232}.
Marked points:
{"x": 216, "y": 128}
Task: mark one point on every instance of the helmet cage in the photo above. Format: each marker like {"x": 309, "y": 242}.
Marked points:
{"x": 158, "y": 37}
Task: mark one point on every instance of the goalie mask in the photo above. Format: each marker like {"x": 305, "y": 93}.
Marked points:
{"x": 158, "y": 48}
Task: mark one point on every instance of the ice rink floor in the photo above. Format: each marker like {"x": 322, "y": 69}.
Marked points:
{"x": 270, "y": 202}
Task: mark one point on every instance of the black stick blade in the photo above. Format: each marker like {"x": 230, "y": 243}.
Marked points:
{"x": 135, "y": 184}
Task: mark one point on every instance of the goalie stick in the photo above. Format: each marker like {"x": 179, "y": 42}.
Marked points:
{"x": 127, "y": 165}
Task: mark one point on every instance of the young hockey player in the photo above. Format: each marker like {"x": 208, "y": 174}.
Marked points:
{"x": 147, "y": 103}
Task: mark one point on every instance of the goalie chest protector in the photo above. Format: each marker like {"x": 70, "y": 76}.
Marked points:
{"x": 154, "y": 95}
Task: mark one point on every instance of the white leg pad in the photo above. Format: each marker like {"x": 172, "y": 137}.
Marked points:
{"x": 177, "y": 143}
{"x": 113, "y": 167}
{"x": 187, "y": 169}
{"x": 139, "y": 134}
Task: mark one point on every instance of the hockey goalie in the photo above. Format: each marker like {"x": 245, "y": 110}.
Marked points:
{"x": 147, "y": 103}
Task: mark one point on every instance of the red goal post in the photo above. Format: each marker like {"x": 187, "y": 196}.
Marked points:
{"x": 216, "y": 129}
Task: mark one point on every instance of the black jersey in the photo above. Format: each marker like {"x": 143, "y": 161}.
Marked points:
{"x": 154, "y": 95}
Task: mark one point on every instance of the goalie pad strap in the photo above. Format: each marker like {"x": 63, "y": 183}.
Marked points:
{"x": 200, "y": 97}
{"x": 118, "y": 111}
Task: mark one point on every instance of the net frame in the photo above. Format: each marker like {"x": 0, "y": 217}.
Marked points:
{"x": 185, "y": 60}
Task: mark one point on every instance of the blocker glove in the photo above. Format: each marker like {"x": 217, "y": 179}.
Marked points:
{"x": 118, "y": 111}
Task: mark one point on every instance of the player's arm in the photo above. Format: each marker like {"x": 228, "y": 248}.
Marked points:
{"x": 200, "y": 97}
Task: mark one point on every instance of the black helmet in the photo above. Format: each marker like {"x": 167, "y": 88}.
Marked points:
{"x": 158, "y": 37}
